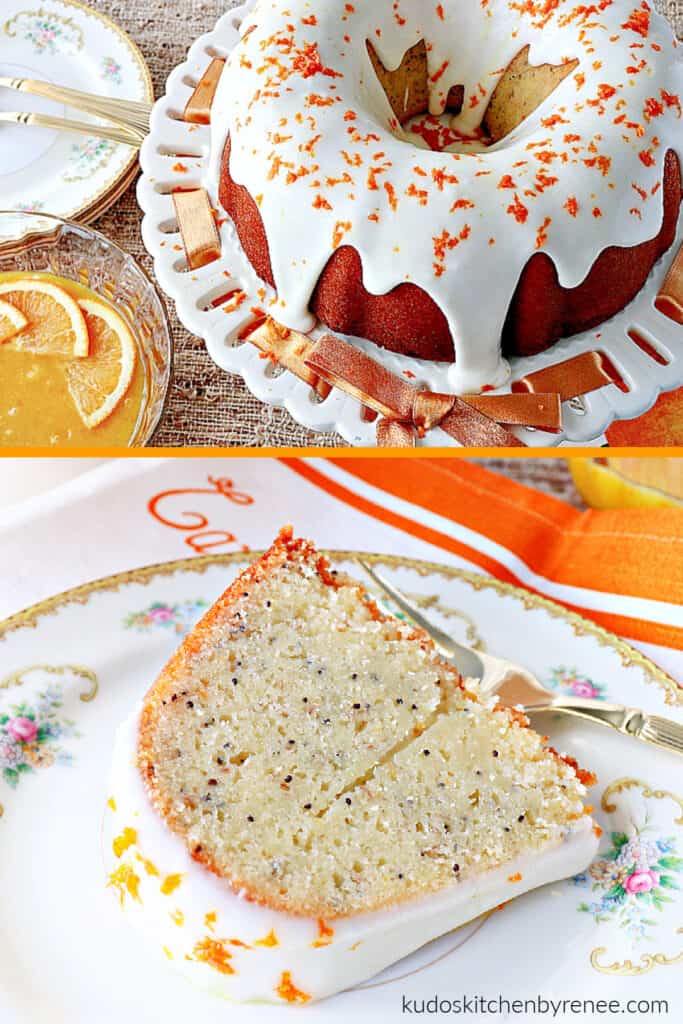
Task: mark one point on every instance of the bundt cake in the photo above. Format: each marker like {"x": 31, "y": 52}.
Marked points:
{"x": 538, "y": 212}
{"x": 320, "y": 795}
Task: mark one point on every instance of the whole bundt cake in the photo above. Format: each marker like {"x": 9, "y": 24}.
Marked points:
{"x": 453, "y": 181}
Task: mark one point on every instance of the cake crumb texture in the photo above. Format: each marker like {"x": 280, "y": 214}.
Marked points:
{"x": 318, "y": 756}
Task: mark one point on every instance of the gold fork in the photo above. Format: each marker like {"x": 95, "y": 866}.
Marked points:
{"x": 662, "y": 732}
{"x": 132, "y": 113}
{"x": 523, "y": 689}
{"x": 114, "y": 133}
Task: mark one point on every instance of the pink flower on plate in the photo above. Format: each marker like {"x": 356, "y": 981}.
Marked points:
{"x": 583, "y": 688}
{"x": 23, "y": 730}
{"x": 161, "y": 614}
{"x": 641, "y": 881}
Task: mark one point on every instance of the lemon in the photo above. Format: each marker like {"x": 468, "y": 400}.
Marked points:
{"x": 629, "y": 483}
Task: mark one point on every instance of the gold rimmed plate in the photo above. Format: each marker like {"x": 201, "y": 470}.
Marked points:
{"x": 75, "y": 664}
{"x": 66, "y": 43}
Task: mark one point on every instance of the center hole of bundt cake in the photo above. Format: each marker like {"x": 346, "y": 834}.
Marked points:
{"x": 408, "y": 92}
{"x": 520, "y": 90}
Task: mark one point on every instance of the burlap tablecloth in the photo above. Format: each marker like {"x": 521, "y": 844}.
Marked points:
{"x": 207, "y": 406}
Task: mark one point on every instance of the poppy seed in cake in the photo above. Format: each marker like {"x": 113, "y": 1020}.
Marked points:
{"x": 384, "y": 787}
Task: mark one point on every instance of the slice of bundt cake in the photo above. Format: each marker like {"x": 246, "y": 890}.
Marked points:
{"x": 320, "y": 758}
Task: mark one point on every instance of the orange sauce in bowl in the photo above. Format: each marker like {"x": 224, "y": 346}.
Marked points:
{"x": 36, "y": 408}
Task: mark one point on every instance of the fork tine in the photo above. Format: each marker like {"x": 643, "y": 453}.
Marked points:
{"x": 468, "y": 663}
{"x": 404, "y": 604}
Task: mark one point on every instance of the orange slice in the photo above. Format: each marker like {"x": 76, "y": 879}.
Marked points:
{"x": 99, "y": 384}
{"x": 56, "y": 326}
{"x": 12, "y": 321}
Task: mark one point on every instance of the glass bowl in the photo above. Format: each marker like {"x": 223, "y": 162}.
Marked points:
{"x": 38, "y": 242}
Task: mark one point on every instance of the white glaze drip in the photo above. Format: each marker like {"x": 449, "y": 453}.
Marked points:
{"x": 474, "y": 281}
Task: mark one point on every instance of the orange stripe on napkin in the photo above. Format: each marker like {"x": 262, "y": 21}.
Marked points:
{"x": 633, "y": 552}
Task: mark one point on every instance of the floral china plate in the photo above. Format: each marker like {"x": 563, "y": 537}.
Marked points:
{"x": 65, "y": 43}
{"x": 72, "y": 668}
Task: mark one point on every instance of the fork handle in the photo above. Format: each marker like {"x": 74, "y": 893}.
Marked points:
{"x": 63, "y": 93}
{"x": 124, "y": 113}
{"x": 661, "y": 732}
{"x": 124, "y": 136}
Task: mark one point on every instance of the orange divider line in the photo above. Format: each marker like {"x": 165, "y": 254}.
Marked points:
{"x": 313, "y": 452}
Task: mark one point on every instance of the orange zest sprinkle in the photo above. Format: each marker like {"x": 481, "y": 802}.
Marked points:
{"x": 170, "y": 884}
{"x": 325, "y": 935}
{"x": 606, "y": 91}
{"x": 340, "y": 229}
{"x": 440, "y": 178}
{"x": 603, "y": 163}
{"x": 518, "y": 210}
{"x": 572, "y": 206}
{"x": 672, "y": 99}
{"x": 125, "y": 880}
{"x": 213, "y": 953}
{"x": 288, "y": 991}
{"x": 553, "y": 120}
{"x": 639, "y": 20}
{"x": 353, "y": 161}
{"x": 391, "y": 194}
{"x": 420, "y": 194}
{"x": 440, "y": 71}
{"x": 150, "y": 869}
{"x": 128, "y": 838}
{"x": 542, "y": 233}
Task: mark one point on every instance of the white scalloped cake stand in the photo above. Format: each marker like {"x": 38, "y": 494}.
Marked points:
{"x": 585, "y": 419}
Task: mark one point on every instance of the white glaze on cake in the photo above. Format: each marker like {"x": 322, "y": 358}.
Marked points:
{"x": 314, "y": 958}
{"x": 317, "y": 145}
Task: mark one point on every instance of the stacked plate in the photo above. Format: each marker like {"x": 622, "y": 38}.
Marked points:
{"x": 66, "y": 43}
